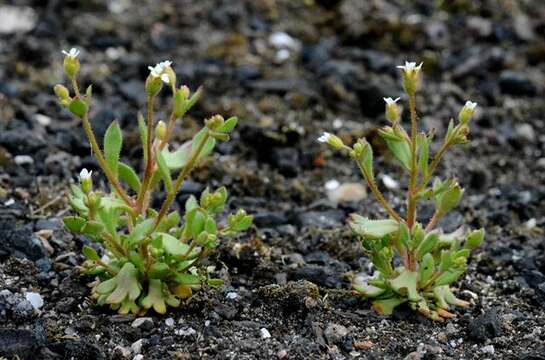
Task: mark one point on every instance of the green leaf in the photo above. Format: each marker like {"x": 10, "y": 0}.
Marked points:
{"x": 426, "y": 269}
{"x": 137, "y": 260}
{"x": 129, "y": 176}
{"x": 228, "y": 125}
{"x": 207, "y": 148}
{"x": 93, "y": 228}
{"x": 372, "y": 228}
{"x": 474, "y": 239}
{"x": 187, "y": 279}
{"x": 215, "y": 282}
{"x": 423, "y": 153}
{"x": 365, "y": 289}
{"x": 74, "y": 223}
{"x": 155, "y": 297}
{"x": 191, "y": 203}
{"x": 113, "y": 141}
{"x": 165, "y": 172}
{"x": 448, "y": 277}
{"x": 173, "y": 246}
{"x": 386, "y": 306}
{"x": 90, "y": 253}
{"x": 109, "y": 218}
{"x": 140, "y": 231}
{"x": 126, "y": 285}
{"x": 88, "y": 95}
{"x": 169, "y": 221}
{"x": 158, "y": 270}
{"x": 401, "y": 151}
{"x": 406, "y": 284}
{"x": 177, "y": 159}
{"x": 404, "y": 237}
{"x": 427, "y": 244}
{"x": 78, "y": 108}
{"x": 446, "y": 260}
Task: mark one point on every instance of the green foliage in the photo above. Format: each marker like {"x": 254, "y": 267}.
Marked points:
{"x": 430, "y": 259}
{"x": 148, "y": 258}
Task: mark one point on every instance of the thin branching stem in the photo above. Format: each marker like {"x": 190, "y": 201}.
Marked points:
{"x": 149, "y": 163}
{"x": 378, "y": 194}
{"x": 411, "y": 206}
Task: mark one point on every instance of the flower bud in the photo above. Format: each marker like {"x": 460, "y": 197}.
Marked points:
{"x": 61, "y": 92}
{"x": 392, "y": 110}
{"x": 180, "y": 101}
{"x": 474, "y": 239}
{"x": 332, "y": 140}
{"x": 160, "y": 130}
{"x": 86, "y": 180}
{"x": 71, "y": 62}
{"x": 214, "y": 122}
{"x": 411, "y": 74}
{"x": 467, "y": 112}
{"x": 93, "y": 201}
{"x": 153, "y": 85}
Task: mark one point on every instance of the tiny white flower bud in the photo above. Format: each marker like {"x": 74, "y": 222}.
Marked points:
{"x": 71, "y": 62}
{"x": 86, "y": 180}
{"x": 332, "y": 140}
{"x": 467, "y": 112}
{"x": 73, "y": 53}
{"x": 392, "y": 110}
{"x": 410, "y": 76}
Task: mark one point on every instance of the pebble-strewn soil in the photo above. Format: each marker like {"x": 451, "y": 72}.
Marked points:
{"x": 289, "y": 70}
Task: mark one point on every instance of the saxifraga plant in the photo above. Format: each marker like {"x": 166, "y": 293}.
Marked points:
{"x": 430, "y": 259}
{"x": 151, "y": 258}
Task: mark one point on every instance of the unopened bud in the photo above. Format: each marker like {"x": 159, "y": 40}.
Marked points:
{"x": 71, "y": 62}
{"x": 61, "y": 92}
{"x": 153, "y": 85}
{"x": 214, "y": 122}
{"x": 86, "y": 180}
{"x": 467, "y": 111}
{"x": 332, "y": 140}
{"x": 392, "y": 110}
{"x": 410, "y": 76}
{"x": 160, "y": 130}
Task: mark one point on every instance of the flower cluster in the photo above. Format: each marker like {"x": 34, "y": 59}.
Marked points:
{"x": 145, "y": 258}
{"x": 431, "y": 260}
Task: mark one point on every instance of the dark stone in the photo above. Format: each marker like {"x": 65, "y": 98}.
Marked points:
{"x": 320, "y": 275}
{"x": 515, "y": 83}
{"x": 226, "y": 311}
{"x": 537, "y": 354}
{"x": 270, "y": 219}
{"x": 320, "y": 219}
{"x": 20, "y": 343}
{"x": 80, "y": 349}
{"x": 486, "y": 326}
{"x": 19, "y": 240}
{"x": 286, "y": 160}
{"x": 21, "y": 141}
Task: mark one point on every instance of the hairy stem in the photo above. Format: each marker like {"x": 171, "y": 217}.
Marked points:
{"x": 180, "y": 179}
{"x": 374, "y": 188}
{"x": 149, "y": 163}
{"x": 98, "y": 153}
{"x": 411, "y": 206}
{"x": 433, "y": 221}
{"x": 170, "y": 129}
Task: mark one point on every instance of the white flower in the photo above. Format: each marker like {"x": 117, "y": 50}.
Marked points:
{"x": 390, "y": 101}
{"x": 410, "y": 67}
{"x": 325, "y": 137}
{"x": 159, "y": 70}
{"x": 73, "y": 53}
{"x": 85, "y": 174}
{"x": 470, "y": 105}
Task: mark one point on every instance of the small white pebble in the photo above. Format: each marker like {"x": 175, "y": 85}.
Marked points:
{"x": 281, "y": 40}
{"x": 337, "y": 123}
{"x": 264, "y": 333}
{"x": 282, "y": 55}
{"x": 207, "y": 323}
{"x": 488, "y": 349}
{"x": 530, "y": 224}
{"x": 185, "y": 332}
{"x": 42, "y": 119}
{"x": 138, "y": 357}
{"x": 332, "y": 184}
{"x": 231, "y": 295}
{"x": 389, "y": 182}
{"x": 23, "y": 159}
{"x": 136, "y": 346}
{"x": 35, "y": 299}
{"x": 169, "y": 322}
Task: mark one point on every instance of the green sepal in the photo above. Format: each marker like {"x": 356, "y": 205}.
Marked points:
{"x": 228, "y": 125}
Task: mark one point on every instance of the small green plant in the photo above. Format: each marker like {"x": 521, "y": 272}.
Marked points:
{"x": 430, "y": 259}
{"x": 152, "y": 258}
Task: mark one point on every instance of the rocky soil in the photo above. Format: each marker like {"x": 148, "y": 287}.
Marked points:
{"x": 289, "y": 70}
